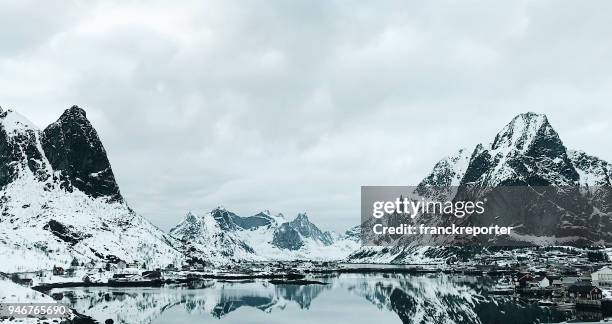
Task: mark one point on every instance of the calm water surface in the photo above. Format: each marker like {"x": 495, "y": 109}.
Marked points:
{"x": 355, "y": 299}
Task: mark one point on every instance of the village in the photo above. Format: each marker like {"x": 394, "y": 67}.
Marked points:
{"x": 560, "y": 277}
{"x": 551, "y": 277}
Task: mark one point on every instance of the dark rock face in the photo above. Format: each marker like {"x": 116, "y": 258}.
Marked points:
{"x": 255, "y": 221}
{"x": 73, "y": 147}
{"x": 225, "y": 219}
{"x": 65, "y": 233}
{"x": 286, "y": 237}
{"x": 229, "y": 221}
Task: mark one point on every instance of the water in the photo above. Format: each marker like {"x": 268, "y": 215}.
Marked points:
{"x": 355, "y": 299}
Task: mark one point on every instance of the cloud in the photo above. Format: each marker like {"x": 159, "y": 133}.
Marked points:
{"x": 292, "y": 106}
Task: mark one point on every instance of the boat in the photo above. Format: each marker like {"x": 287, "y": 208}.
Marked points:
{"x": 544, "y": 302}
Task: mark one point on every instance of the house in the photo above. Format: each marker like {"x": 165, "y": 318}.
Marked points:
{"x": 58, "y": 271}
{"x": 121, "y": 265}
{"x": 525, "y": 280}
{"x": 134, "y": 265}
{"x": 602, "y": 277}
{"x": 585, "y": 292}
{"x": 542, "y": 282}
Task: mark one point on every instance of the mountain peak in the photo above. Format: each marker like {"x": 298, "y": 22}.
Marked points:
{"x": 74, "y": 111}
{"x": 13, "y": 122}
{"x": 302, "y": 217}
{"x": 19, "y": 148}
{"x": 191, "y": 217}
{"x": 218, "y": 209}
{"x": 449, "y": 171}
{"x": 72, "y": 146}
{"x": 521, "y": 131}
{"x": 526, "y": 151}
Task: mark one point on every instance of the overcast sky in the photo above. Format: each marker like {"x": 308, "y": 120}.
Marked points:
{"x": 293, "y": 105}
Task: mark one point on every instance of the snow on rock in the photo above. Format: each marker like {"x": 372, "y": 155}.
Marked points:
{"x": 449, "y": 171}
{"x": 526, "y": 152}
{"x": 14, "y": 123}
{"x": 220, "y": 237}
{"x": 592, "y": 170}
{"x": 49, "y": 215}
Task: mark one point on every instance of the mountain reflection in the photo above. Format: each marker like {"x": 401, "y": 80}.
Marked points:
{"x": 413, "y": 299}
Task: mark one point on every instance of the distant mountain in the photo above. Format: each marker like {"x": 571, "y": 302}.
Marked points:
{"x": 60, "y": 200}
{"x": 211, "y": 238}
{"x": 220, "y": 237}
{"x": 291, "y": 235}
{"x": 527, "y": 152}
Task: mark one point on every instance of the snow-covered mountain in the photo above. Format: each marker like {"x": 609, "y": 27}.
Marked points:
{"x": 60, "y": 201}
{"x": 592, "y": 171}
{"x": 220, "y": 236}
{"x": 526, "y": 152}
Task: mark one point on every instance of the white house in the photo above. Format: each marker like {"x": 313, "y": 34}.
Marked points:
{"x": 542, "y": 282}
{"x": 602, "y": 277}
{"x": 121, "y": 265}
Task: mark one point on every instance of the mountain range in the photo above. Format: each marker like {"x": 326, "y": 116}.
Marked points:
{"x": 59, "y": 201}
{"x": 220, "y": 236}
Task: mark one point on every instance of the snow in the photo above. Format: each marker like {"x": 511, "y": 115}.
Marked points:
{"x": 223, "y": 246}
{"x": 14, "y": 123}
{"x": 593, "y": 171}
{"x": 519, "y": 133}
{"x": 13, "y": 293}
{"x": 106, "y": 228}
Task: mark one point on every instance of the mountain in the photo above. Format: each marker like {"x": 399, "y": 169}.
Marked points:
{"x": 60, "y": 200}
{"x": 220, "y": 237}
{"x": 210, "y": 239}
{"x": 526, "y": 153}
{"x": 291, "y": 235}
{"x": 73, "y": 147}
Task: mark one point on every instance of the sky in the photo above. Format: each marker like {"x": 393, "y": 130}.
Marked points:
{"x": 291, "y": 106}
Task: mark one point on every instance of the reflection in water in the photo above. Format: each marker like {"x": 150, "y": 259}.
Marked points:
{"x": 354, "y": 298}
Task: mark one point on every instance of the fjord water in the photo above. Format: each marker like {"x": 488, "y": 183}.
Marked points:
{"x": 381, "y": 298}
